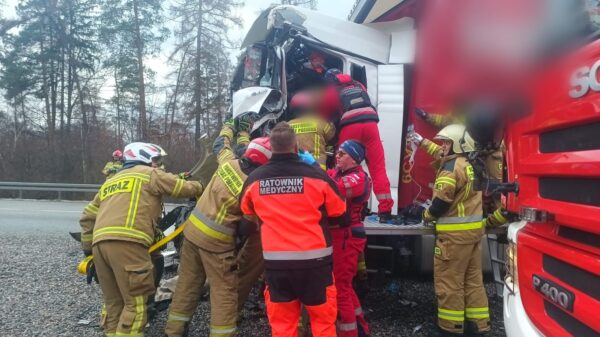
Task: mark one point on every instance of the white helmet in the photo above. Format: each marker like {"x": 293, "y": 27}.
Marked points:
{"x": 163, "y": 153}
{"x": 143, "y": 152}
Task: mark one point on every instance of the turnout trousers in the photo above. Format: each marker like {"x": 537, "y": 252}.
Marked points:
{"x": 346, "y": 251}
{"x": 195, "y": 267}
{"x": 251, "y": 267}
{"x": 458, "y": 282}
{"x": 288, "y": 290}
{"x": 126, "y": 277}
{"x": 368, "y": 134}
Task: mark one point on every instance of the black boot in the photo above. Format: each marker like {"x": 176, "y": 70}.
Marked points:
{"x": 361, "y": 331}
{"x": 471, "y": 330}
{"x": 438, "y": 332}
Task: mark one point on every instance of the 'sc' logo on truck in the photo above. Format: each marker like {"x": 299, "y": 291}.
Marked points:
{"x": 584, "y": 79}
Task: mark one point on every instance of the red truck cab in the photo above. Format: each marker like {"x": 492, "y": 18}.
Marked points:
{"x": 553, "y": 280}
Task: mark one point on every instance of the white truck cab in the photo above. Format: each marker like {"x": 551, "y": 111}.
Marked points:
{"x": 278, "y": 45}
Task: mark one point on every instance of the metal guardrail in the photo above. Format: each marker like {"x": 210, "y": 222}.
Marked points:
{"x": 52, "y": 187}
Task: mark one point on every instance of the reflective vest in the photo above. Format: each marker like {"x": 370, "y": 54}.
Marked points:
{"x": 355, "y": 104}
{"x": 353, "y": 96}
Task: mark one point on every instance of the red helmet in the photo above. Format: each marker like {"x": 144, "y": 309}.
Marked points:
{"x": 259, "y": 150}
{"x": 301, "y": 102}
{"x": 317, "y": 62}
{"x": 118, "y": 154}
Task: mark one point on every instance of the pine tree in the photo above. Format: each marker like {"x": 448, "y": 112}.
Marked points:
{"x": 53, "y": 50}
{"x": 202, "y": 51}
{"x": 132, "y": 30}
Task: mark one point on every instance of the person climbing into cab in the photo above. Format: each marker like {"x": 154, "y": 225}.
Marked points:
{"x": 346, "y": 102}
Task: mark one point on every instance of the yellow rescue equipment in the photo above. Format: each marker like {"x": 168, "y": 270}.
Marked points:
{"x": 82, "y": 268}
{"x": 86, "y": 263}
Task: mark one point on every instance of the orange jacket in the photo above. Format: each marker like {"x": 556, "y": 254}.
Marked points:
{"x": 295, "y": 204}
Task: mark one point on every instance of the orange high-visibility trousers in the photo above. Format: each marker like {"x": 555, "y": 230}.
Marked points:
{"x": 288, "y": 290}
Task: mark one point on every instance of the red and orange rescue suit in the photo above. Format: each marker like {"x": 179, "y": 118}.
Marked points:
{"x": 295, "y": 204}
{"x": 348, "y": 243}
{"x": 358, "y": 120}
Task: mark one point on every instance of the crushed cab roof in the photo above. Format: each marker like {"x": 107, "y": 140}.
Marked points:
{"x": 358, "y": 39}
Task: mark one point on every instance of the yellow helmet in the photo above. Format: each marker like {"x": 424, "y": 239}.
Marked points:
{"x": 461, "y": 140}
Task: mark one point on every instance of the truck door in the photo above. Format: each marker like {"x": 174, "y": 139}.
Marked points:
{"x": 389, "y": 102}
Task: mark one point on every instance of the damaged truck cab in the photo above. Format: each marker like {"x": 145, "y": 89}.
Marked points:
{"x": 276, "y": 63}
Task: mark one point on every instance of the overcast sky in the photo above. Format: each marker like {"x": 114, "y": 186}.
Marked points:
{"x": 248, "y": 13}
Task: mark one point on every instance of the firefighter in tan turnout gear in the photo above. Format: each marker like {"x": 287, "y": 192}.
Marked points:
{"x": 494, "y": 161}
{"x": 209, "y": 248}
{"x": 118, "y": 226}
{"x": 457, "y": 212}
{"x": 312, "y": 131}
{"x": 111, "y": 168}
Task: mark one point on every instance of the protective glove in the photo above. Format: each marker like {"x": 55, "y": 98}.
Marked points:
{"x": 415, "y": 138}
{"x": 330, "y": 150}
{"x": 229, "y": 123}
{"x": 91, "y": 273}
{"x": 307, "y": 157}
{"x": 428, "y": 219}
{"x": 421, "y": 113}
{"x": 159, "y": 235}
{"x": 112, "y": 170}
{"x": 184, "y": 175}
{"x": 244, "y": 123}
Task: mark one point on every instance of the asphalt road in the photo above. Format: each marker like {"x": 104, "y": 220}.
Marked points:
{"x": 42, "y": 295}
{"x": 39, "y": 216}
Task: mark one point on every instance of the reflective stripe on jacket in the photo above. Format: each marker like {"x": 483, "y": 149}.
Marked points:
{"x": 128, "y": 205}
{"x": 355, "y": 185}
{"x": 111, "y": 168}
{"x": 463, "y": 222}
{"x": 213, "y": 223}
{"x": 313, "y": 134}
{"x": 294, "y": 202}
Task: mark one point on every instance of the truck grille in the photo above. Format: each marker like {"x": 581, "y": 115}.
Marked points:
{"x": 575, "y": 190}
{"x": 580, "y": 279}
{"x": 577, "y": 138}
{"x": 569, "y": 323}
{"x": 579, "y": 236}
